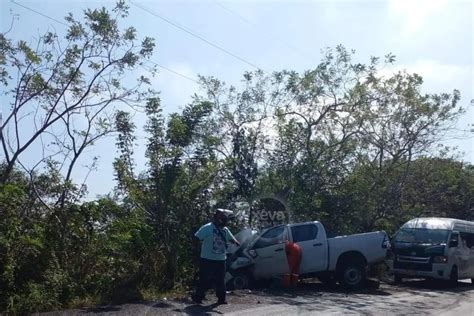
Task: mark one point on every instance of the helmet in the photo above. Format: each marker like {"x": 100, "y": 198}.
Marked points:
{"x": 223, "y": 216}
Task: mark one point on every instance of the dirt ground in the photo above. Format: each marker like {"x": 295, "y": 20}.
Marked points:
{"x": 311, "y": 297}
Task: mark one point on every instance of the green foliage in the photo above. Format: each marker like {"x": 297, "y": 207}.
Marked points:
{"x": 338, "y": 143}
{"x": 75, "y": 78}
{"x": 439, "y": 187}
{"x": 102, "y": 247}
{"x": 172, "y": 193}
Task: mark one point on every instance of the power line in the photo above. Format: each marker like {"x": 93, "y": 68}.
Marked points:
{"x": 266, "y": 34}
{"x": 190, "y": 32}
{"x": 225, "y": 8}
{"x": 269, "y": 36}
{"x": 153, "y": 62}
{"x": 37, "y": 12}
{"x": 174, "y": 72}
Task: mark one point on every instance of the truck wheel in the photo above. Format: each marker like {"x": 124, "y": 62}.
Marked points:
{"x": 453, "y": 277}
{"x": 240, "y": 281}
{"x": 397, "y": 278}
{"x": 352, "y": 276}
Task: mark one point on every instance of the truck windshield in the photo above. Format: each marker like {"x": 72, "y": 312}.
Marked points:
{"x": 247, "y": 241}
{"x": 422, "y": 236}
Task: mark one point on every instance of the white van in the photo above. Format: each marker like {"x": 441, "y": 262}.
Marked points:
{"x": 439, "y": 248}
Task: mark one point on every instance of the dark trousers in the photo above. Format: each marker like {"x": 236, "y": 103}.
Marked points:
{"x": 211, "y": 272}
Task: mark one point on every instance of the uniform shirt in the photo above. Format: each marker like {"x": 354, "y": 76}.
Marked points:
{"x": 214, "y": 241}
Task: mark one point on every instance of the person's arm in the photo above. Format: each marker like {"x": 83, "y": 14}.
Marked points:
{"x": 231, "y": 237}
{"x": 196, "y": 243}
{"x": 196, "y": 250}
{"x": 201, "y": 233}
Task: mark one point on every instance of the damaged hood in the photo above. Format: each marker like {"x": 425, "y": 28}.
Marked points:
{"x": 243, "y": 237}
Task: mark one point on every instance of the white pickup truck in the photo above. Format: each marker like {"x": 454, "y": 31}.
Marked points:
{"x": 343, "y": 258}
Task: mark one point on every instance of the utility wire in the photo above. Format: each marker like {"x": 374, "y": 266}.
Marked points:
{"x": 37, "y": 12}
{"x": 174, "y": 72}
{"x": 266, "y": 34}
{"x": 151, "y": 61}
{"x": 201, "y": 38}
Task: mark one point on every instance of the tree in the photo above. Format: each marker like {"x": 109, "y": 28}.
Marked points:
{"x": 63, "y": 91}
{"x": 319, "y": 115}
{"x": 172, "y": 193}
{"x": 236, "y": 133}
{"x": 344, "y": 121}
{"x": 399, "y": 124}
{"x": 440, "y": 187}
{"x": 102, "y": 248}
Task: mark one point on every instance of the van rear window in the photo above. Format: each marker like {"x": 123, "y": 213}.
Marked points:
{"x": 467, "y": 239}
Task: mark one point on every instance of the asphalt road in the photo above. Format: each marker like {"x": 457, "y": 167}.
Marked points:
{"x": 313, "y": 298}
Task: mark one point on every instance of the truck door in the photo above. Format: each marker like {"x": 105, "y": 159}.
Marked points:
{"x": 270, "y": 260}
{"x": 313, "y": 243}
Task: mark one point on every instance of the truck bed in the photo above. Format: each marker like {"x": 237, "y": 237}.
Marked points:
{"x": 368, "y": 244}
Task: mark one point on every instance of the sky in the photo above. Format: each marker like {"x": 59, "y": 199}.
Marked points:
{"x": 433, "y": 38}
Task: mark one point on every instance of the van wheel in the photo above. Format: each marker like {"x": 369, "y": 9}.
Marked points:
{"x": 352, "y": 276}
{"x": 453, "y": 277}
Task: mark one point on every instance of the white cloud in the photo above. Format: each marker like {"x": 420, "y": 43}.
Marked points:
{"x": 413, "y": 15}
{"x": 437, "y": 77}
{"x": 176, "y": 91}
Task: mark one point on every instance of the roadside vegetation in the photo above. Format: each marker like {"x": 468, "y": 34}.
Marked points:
{"x": 340, "y": 143}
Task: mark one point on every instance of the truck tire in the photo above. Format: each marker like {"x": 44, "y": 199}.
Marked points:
{"x": 241, "y": 280}
{"x": 352, "y": 275}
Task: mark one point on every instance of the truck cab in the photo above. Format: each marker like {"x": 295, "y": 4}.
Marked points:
{"x": 269, "y": 253}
